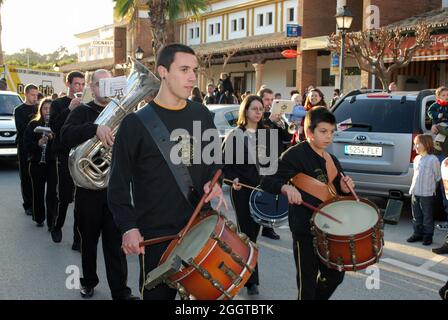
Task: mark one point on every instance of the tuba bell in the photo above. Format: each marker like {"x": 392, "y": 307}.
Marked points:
{"x": 89, "y": 163}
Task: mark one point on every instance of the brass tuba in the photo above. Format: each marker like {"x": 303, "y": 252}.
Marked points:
{"x": 89, "y": 163}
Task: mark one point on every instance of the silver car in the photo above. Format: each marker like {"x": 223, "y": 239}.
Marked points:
{"x": 375, "y": 146}
{"x": 8, "y": 101}
{"x": 225, "y": 117}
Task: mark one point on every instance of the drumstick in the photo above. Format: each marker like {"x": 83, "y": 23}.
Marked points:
{"x": 320, "y": 211}
{"x": 350, "y": 188}
{"x": 199, "y": 206}
{"x": 243, "y": 185}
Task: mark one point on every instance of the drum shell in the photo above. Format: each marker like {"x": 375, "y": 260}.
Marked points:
{"x": 210, "y": 257}
{"x": 349, "y": 252}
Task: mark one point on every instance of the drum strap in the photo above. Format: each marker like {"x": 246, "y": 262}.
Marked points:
{"x": 316, "y": 188}
{"x": 161, "y": 136}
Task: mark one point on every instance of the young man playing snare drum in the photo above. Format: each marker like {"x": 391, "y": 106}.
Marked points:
{"x": 320, "y": 169}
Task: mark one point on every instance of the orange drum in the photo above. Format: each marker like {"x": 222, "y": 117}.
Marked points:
{"x": 354, "y": 244}
{"x": 216, "y": 260}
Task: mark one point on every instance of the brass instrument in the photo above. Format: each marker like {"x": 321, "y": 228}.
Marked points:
{"x": 89, "y": 163}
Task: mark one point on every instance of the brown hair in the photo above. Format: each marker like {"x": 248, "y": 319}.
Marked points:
{"x": 426, "y": 141}
{"x": 38, "y": 114}
{"x": 244, "y": 106}
{"x": 440, "y": 90}
{"x": 308, "y": 104}
{"x": 263, "y": 91}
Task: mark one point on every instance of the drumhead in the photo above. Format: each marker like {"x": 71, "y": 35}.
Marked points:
{"x": 195, "y": 239}
{"x": 356, "y": 217}
{"x": 266, "y": 207}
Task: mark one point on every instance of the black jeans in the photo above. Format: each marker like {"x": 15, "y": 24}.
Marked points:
{"x": 315, "y": 281}
{"x": 95, "y": 219}
{"x": 247, "y": 225}
{"x": 44, "y": 175}
{"x": 25, "y": 179}
{"x": 422, "y": 214}
{"x": 66, "y": 189}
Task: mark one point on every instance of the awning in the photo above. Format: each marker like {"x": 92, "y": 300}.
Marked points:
{"x": 107, "y": 64}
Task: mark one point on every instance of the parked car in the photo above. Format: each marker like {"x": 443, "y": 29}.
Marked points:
{"x": 8, "y": 101}
{"x": 375, "y": 148}
{"x": 225, "y": 117}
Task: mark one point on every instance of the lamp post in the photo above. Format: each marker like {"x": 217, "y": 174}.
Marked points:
{"x": 344, "y": 20}
{"x": 139, "y": 53}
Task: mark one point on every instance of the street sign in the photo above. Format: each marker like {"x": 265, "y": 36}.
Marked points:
{"x": 293, "y": 30}
{"x": 334, "y": 69}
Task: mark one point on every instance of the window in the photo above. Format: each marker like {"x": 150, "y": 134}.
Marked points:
{"x": 234, "y": 25}
{"x": 100, "y": 50}
{"x": 291, "y": 78}
{"x": 269, "y": 18}
{"x": 260, "y": 20}
{"x": 242, "y": 24}
{"x": 291, "y": 15}
{"x": 211, "y": 30}
{"x": 8, "y": 103}
{"x": 218, "y": 28}
{"x": 197, "y": 32}
{"x": 90, "y": 52}
{"x": 327, "y": 79}
{"x": 81, "y": 53}
{"x": 191, "y": 35}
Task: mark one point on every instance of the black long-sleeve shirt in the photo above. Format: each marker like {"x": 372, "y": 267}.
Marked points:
{"x": 31, "y": 143}
{"x": 79, "y": 125}
{"x": 300, "y": 158}
{"x": 142, "y": 192}
{"x": 22, "y": 116}
{"x": 59, "y": 112}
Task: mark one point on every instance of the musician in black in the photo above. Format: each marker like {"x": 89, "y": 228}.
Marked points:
{"x": 22, "y": 116}
{"x": 250, "y": 120}
{"x": 314, "y": 279}
{"x": 144, "y": 195}
{"x": 59, "y": 111}
{"x": 42, "y": 167}
{"x": 94, "y": 217}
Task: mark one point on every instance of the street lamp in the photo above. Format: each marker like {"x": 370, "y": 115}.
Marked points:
{"x": 344, "y": 19}
{"x": 56, "y": 67}
{"x": 139, "y": 53}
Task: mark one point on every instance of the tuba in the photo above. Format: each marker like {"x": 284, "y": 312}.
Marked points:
{"x": 89, "y": 163}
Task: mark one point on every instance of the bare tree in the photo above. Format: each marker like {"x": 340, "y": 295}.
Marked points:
{"x": 205, "y": 66}
{"x": 370, "y": 49}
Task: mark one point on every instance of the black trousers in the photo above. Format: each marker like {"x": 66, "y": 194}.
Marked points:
{"x": 66, "y": 190}
{"x": 247, "y": 225}
{"x": 315, "y": 281}
{"x": 95, "y": 219}
{"x": 151, "y": 260}
{"x": 44, "y": 175}
{"x": 25, "y": 179}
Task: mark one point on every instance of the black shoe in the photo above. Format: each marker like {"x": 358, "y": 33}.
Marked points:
{"x": 50, "y": 228}
{"x": 252, "y": 290}
{"x": 56, "y": 235}
{"x": 39, "y": 224}
{"x": 443, "y": 292}
{"x": 414, "y": 238}
{"x": 442, "y": 250}
{"x": 270, "y": 233}
{"x": 87, "y": 292}
{"x": 29, "y": 212}
{"x": 76, "y": 246}
{"x": 427, "y": 241}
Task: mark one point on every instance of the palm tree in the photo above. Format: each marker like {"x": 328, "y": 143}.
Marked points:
{"x": 161, "y": 12}
{"x": 1, "y": 47}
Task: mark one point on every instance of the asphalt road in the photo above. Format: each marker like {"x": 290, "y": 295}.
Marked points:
{"x": 33, "y": 267}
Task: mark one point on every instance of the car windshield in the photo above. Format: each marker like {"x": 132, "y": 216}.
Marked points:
{"x": 8, "y": 103}
{"x": 377, "y": 115}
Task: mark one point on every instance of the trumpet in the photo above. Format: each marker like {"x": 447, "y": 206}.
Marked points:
{"x": 292, "y": 126}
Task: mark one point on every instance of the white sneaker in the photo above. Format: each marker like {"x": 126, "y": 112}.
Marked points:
{"x": 442, "y": 226}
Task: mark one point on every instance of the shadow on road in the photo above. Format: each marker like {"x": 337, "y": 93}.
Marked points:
{"x": 9, "y": 165}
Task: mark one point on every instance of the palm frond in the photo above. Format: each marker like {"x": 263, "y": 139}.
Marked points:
{"x": 123, "y": 7}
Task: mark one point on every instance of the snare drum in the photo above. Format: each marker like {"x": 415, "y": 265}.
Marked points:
{"x": 216, "y": 261}
{"x": 267, "y": 209}
{"x": 356, "y": 243}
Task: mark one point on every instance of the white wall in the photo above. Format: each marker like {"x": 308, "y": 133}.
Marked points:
{"x": 196, "y": 39}
{"x": 286, "y": 6}
{"x": 216, "y": 37}
{"x": 239, "y": 33}
{"x": 265, "y": 29}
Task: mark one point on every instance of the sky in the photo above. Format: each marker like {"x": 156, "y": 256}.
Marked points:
{"x": 45, "y": 25}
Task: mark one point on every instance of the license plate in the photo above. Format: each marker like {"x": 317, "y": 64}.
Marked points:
{"x": 364, "y": 151}
{"x": 8, "y": 151}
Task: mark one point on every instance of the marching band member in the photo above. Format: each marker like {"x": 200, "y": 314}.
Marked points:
{"x": 314, "y": 279}
{"x": 94, "y": 217}
{"x": 144, "y": 196}
{"x": 42, "y": 167}
{"x": 250, "y": 119}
